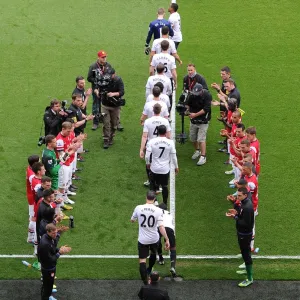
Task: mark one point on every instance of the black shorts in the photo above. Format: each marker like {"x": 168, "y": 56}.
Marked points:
{"x": 160, "y": 179}
{"x": 171, "y": 236}
{"x": 144, "y": 249}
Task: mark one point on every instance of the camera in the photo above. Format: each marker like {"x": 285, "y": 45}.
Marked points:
{"x": 41, "y": 141}
{"x": 180, "y": 107}
{"x": 63, "y": 108}
{"x": 102, "y": 80}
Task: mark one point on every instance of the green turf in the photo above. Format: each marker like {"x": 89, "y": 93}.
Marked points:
{"x": 45, "y": 45}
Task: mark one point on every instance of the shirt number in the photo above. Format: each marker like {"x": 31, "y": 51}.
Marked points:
{"x": 162, "y": 151}
{"x": 150, "y": 221}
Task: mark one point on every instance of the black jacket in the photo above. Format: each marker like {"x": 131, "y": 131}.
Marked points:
{"x": 91, "y": 73}
{"x": 52, "y": 122}
{"x": 188, "y": 83}
{"x": 197, "y": 103}
{"x": 117, "y": 85}
{"x": 48, "y": 252}
{"x": 153, "y": 292}
{"x": 245, "y": 217}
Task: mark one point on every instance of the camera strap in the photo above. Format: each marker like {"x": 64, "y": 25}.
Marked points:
{"x": 191, "y": 82}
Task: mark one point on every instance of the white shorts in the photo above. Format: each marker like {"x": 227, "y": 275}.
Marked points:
{"x": 31, "y": 210}
{"x": 64, "y": 175}
{"x": 74, "y": 164}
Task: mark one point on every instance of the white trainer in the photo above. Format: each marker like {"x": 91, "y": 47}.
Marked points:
{"x": 202, "y": 160}
{"x": 196, "y": 154}
{"x": 69, "y": 201}
{"x": 229, "y": 172}
{"x": 147, "y": 183}
{"x": 242, "y": 266}
{"x": 232, "y": 181}
{"x": 69, "y": 193}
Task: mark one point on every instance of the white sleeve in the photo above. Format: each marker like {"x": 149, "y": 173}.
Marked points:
{"x": 153, "y": 46}
{"x": 168, "y": 126}
{"x": 148, "y": 153}
{"x": 169, "y": 88}
{"x": 145, "y": 110}
{"x": 145, "y": 129}
{"x": 173, "y": 63}
{"x": 148, "y": 88}
{"x": 134, "y": 215}
{"x": 173, "y": 48}
{"x": 174, "y": 156}
{"x": 59, "y": 145}
{"x": 153, "y": 62}
{"x": 148, "y": 99}
{"x": 165, "y": 112}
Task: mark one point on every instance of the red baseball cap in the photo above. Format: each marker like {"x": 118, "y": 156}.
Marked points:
{"x": 102, "y": 53}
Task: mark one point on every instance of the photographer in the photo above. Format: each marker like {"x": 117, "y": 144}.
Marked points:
{"x": 54, "y": 117}
{"x": 199, "y": 111}
{"x": 79, "y": 118}
{"x": 100, "y": 67}
{"x": 111, "y": 99}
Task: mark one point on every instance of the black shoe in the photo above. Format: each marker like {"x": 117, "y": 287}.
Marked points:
{"x": 105, "y": 144}
{"x": 120, "y": 127}
{"x": 222, "y": 150}
{"x": 95, "y": 126}
{"x": 73, "y": 186}
{"x": 72, "y": 189}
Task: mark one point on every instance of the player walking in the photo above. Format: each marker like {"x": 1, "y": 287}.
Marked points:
{"x": 149, "y": 218}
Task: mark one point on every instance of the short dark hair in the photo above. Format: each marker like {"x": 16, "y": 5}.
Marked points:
{"x": 79, "y": 78}
{"x": 74, "y": 96}
{"x": 33, "y": 159}
{"x": 165, "y": 30}
{"x": 156, "y": 91}
{"x": 49, "y": 138}
{"x": 160, "y": 68}
{"x": 240, "y": 125}
{"x": 157, "y": 109}
{"x": 46, "y": 179}
{"x": 243, "y": 190}
{"x": 242, "y": 182}
{"x": 154, "y": 276}
{"x": 160, "y": 85}
{"x": 230, "y": 80}
{"x": 226, "y": 69}
{"x": 191, "y": 65}
{"x": 37, "y": 166}
{"x": 151, "y": 195}
{"x": 251, "y": 130}
{"x": 174, "y": 6}
{"x": 161, "y": 129}
{"x": 47, "y": 193}
{"x": 54, "y": 102}
{"x": 165, "y": 45}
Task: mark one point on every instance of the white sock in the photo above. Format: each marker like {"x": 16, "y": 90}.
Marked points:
{"x": 31, "y": 230}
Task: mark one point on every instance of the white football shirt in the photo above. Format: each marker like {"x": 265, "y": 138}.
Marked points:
{"x": 149, "y": 218}
{"x": 156, "y": 46}
{"x": 174, "y": 19}
{"x": 162, "y": 97}
{"x": 167, "y": 60}
{"x": 148, "y": 109}
{"x": 152, "y": 80}
{"x": 151, "y": 124}
{"x": 163, "y": 151}
{"x": 168, "y": 219}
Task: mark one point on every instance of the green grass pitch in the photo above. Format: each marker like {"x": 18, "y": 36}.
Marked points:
{"x": 45, "y": 45}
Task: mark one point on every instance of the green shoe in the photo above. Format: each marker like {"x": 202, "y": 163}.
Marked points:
{"x": 241, "y": 272}
{"x": 245, "y": 283}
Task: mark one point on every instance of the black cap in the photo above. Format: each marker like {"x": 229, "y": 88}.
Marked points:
{"x": 154, "y": 276}
{"x": 197, "y": 89}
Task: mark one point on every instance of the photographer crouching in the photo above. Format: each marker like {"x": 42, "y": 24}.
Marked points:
{"x": 110, "y": 92}
{"x": 198, "y": 103}
{"x": 54, "y": 116}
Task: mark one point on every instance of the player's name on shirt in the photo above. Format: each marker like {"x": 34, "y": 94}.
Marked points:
{"x": 156, "y": 46}
{"x": 163, "y": 142}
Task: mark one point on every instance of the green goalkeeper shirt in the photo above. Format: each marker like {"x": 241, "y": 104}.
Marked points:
{"x": 51, "y": 163}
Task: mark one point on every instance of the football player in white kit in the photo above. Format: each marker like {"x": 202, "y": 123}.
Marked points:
{"x": 159, "y": 77}
{"x": 149, "y": 218}
{"x": 156, "y": 46}
{"x": 169, "y": 227}
{"x": 160, "y": 152}
{"x": 175, "y": 21}
{"x": 150, "y": 131}
{"x": 162, "y": 97}
{"x": 148, "y": 108}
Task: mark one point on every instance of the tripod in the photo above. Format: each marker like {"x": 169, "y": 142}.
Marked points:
{"x": 181, "y": 137}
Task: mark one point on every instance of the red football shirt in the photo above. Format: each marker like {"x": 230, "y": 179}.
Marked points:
{"x": 63, "y": 143}
{"x": 253, "y": 185}
{"x": 29, "y": 192}
{"x": 255, "y": 145}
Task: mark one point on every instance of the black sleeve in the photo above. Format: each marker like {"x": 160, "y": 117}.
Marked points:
{"x": 185, "y": 83}
{"x": 91, "y": 74}
{"x": 46, "y": 256}
{"x": 50, "y": 121}
{"x": 120, "y": 86}
{"x": 207, "y": 103}
{"x": 201, "y": 80}
{"x": 141, "y": 293}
